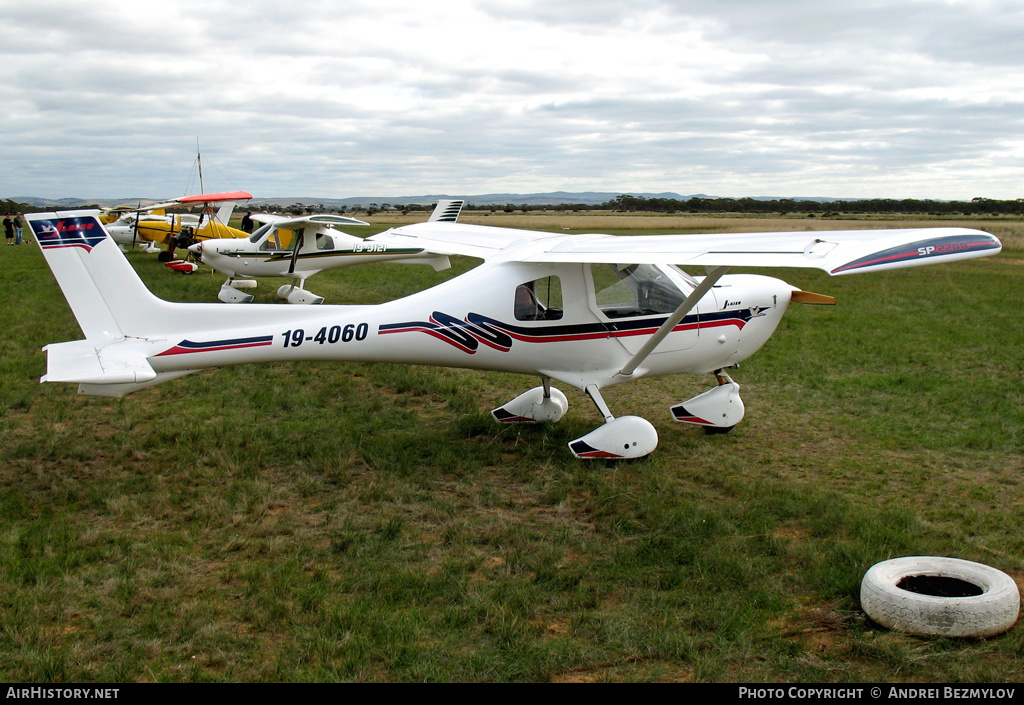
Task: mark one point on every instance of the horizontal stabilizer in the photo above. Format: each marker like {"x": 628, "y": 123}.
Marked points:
{"x": 83, "y": 362}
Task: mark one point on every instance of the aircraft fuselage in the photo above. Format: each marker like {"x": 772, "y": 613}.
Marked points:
{"x": 463, "y": 323}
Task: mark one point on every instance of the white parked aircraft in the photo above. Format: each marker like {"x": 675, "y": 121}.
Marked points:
{"x": 588, "y": 311}
{"x": 125, "y": 229}
{"x": 300, "y": 247}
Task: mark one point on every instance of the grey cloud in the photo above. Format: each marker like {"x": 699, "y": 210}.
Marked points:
{"x": 335, "y": 100}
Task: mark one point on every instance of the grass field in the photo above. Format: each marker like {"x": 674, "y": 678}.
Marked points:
{"x": 317, "y": 522}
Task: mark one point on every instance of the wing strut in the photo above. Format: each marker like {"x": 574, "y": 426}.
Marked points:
{"x": 684, "y": 308}
{"x": 295, "y": 250}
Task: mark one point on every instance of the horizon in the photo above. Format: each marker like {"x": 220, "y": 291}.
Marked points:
{"x": 589, "y": 198}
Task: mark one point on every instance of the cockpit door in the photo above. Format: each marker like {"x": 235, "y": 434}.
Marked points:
{"x": 633, "y": 300}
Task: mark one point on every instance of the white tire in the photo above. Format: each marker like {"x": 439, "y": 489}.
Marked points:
{"x": 991, "y": 612}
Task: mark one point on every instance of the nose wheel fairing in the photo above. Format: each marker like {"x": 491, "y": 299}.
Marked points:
{"x": 295, "y": 294}
{"x": 717, "y": 410}
{"x": 622, "y": 438}
{"x": 231, "y": 295}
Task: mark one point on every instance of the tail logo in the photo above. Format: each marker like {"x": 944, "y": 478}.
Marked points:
{"x": 84, "y": 232}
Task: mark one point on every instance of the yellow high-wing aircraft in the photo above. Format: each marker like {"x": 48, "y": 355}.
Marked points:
{"x": 182, "y": 230}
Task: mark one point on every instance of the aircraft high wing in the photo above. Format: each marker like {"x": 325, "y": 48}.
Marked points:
{"x": 588, "y": 311}
{"x": 204, "y": 199}
{"x": 836, "y": 252}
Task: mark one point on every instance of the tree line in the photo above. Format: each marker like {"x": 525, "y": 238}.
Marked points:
{"x": 9, "y": 207}
{"x": 976, "y": 206}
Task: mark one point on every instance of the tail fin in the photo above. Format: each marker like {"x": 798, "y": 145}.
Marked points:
{"x": 224, "y": 213}
{"x": 446, "y": 212}
{"x": 124, "y": 324}
{"x": 104, "y": 292}
{"x": 106, "y": 296}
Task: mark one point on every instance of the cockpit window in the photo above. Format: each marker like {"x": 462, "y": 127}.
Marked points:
{"x": 280, "y": 239}
{"x": 260, "y": 232}
{"x": 625, "y": 290}
{"x": 539, "y": 300}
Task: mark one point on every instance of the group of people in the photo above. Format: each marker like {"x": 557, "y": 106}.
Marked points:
{"x": 12, "y": 229}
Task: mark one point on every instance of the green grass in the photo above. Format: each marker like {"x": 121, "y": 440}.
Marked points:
{"x": 318, "y": 522}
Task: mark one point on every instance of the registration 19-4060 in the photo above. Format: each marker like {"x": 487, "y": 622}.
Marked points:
{"x": 334, "y": 334}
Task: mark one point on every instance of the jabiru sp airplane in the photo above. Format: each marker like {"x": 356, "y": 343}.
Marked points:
{"x": 298, "y": 248}
{"x": 585, "y": 311}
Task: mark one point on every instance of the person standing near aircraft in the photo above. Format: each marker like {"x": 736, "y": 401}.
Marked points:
{"x": 247, "y": 222}
{"x": 9, "y": 229}
{"x": 17, "y": 229}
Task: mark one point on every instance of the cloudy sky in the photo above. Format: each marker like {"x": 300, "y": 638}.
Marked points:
{"x": 342, "y": 98}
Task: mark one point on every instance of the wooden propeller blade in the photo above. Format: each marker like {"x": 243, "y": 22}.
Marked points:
{"x": 809, "y": 297}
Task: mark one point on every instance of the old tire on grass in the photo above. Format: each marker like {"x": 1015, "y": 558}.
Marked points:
{"x": 935, "y": 596}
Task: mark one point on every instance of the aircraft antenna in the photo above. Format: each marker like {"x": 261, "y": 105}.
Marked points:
{"x": 199, "y": 159}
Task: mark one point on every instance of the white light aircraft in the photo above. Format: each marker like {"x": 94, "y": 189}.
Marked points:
{"x": 298, "y": 248}
{"x": 125, "y": 231}
{"x": 587, "y": 311}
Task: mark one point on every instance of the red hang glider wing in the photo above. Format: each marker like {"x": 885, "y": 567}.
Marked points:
{"x": 215, "y": 197}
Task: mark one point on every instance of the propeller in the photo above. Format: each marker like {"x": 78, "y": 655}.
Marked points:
{"x": 169, "y": 252}
{"x": 809, "y": 297}
{"x": 135, "y": 225}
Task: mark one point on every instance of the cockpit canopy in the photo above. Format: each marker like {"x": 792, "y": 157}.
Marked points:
{"x": 626, "y": 290}
{"x": 620, "y": 291}
{"x": 285, "y": 238}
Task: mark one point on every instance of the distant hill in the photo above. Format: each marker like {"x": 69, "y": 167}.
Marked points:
{"x": 553, "y": 198}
